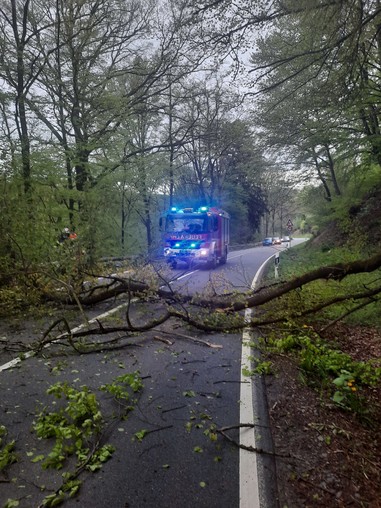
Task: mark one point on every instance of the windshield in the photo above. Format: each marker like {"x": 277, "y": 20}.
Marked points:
{"x": 192, "y": 225}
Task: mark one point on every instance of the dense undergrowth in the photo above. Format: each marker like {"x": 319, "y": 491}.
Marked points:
{"x": 334, "y": 374}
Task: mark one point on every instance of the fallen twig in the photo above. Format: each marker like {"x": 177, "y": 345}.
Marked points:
{"x": 194, "y": 339}
{"x": 223, "y": 433}
{"x": 173, "y": 409}
{"x": 161, "y": 339}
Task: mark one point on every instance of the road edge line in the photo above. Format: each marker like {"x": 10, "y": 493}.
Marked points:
{"x": 249, "y": 495}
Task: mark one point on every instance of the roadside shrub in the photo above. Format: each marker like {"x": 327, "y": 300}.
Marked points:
{"x": 330, "y": 370}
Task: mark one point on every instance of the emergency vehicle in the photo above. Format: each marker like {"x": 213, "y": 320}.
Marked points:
{"x": 196, "y": 236}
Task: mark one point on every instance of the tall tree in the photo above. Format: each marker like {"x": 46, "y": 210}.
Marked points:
{"x": 93, "y": 41}
{"x": 210, "y": 141}
{"x": 21, "y": 24}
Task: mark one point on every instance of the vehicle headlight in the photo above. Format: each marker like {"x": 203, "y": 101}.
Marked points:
{"x": 204, "y": 252}
{"x": 167, "y": 251}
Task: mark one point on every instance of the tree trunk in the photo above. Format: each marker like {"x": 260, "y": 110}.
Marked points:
{"x": 25, "y": 144}
{"x": 328, "y": 195}
{"x": 20, "y": 111}
{"x": 332, "y": 173}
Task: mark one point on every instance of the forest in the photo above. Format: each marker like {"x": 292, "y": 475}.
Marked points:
{"x": 113, "y": 111}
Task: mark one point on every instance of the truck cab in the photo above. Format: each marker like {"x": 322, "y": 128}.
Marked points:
{"x": 196, "y": 236}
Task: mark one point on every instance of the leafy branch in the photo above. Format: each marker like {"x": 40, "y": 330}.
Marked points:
{"x": 215, "y": 313}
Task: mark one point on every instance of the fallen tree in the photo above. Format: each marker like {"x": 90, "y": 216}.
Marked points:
{"x": 214, "y": 312}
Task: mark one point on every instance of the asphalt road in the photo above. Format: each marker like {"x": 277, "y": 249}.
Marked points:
{"x": 189, "y": 390}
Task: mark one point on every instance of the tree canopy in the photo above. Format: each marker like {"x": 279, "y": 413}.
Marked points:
{"x": 111, "y": 112}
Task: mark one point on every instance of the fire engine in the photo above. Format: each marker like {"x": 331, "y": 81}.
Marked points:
{"x": 196, "y": 236}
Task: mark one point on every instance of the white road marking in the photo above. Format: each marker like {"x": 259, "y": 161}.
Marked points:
{"x": 15, "y": 361}
{"x": 248, "y": 471}
{"x": 186, "y": 274}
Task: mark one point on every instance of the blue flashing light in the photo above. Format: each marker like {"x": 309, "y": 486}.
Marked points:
{"x": 203, "y": 208}
{"x": 173, "y": 209}
{"x": 193, "y": 245}
{"x": 177, "y": 245}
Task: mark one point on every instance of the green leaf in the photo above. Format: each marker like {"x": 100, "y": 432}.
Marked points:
{"x": 38, "y": 458}
{"x": 93, "y": 467}
{"x": 140, "y": 434}
{"x": 189, "y": 393}
{"x": 11, "y": 503}
{"x": 338, "y": 397}
{"x": 53, "y": 500}
{"x": 74, "y": 491}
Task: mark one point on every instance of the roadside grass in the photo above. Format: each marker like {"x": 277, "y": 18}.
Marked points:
{"x": 302, "y": 259}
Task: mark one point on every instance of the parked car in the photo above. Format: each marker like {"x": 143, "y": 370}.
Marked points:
{"x": 267, "y": 241}
{"x": 277, "y": 240}
{"x": 286, "y": 239}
